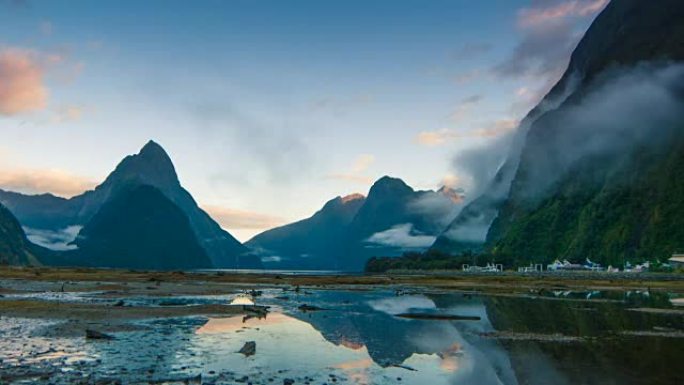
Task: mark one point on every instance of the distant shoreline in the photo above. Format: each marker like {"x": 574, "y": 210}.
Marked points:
{"x": 442, "y": 280}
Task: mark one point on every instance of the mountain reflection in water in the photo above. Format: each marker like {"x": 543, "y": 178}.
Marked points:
{"x": 538, "y": 338}
{"x": 440, "y": 354}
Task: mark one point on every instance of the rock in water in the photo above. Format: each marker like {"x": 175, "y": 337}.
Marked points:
{"x": 95, "y": 335}
{"x": 438, "y": 317}
{"x": 305, "y": 308}
{"x": 249, "y": 349}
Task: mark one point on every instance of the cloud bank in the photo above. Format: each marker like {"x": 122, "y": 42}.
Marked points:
{"x": 623, "y": 109}
{"x": 543, "y": 12}
{"x": 446, "y": 135}
{"x": 402, "y": 236}
{"x": 38, "y": 181}
{"x": 242, "y": 219}
{"x": 550, "y": 31}
{"x": 440, "y": 207}
{"x": 357, "y": 171}
{"x": 54, "y": 239}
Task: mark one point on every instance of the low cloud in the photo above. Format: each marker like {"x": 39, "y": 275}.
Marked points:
{"x": 544, "y": 51}
{"x": 278, "y": 153}
{"x": 37, "y": 181}
{"x": 402, "y": 236}
{"x": 54, "y": 239}
{"x": 471, "y": 50}
{"x": 464, "y": 107}
{"x": 640, "y": 106}
{"x": 242, "y": 219}
{"x": 543, "y": 12}
{"x": 23, "y": 74}
{"x": 357, "y": 170}
{"x": 528, "y": 97}
{"x": 477, "y": 166}
{"x": 474, "y": 230}
{"x": 468, "y": 76}
{"x": 446, "y": 135}
{"x": 451, "y": 181}
{"x": 440, "y": 207}
{"x": 22, "y": 88}
{"x": 550, "y": 31}
{"x": 68, "y": 114}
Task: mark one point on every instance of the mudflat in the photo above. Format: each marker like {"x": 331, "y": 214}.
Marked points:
{"x": 216, "y": 282}
{"x": 103, "y": 326}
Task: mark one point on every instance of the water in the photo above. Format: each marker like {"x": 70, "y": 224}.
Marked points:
{"x": 279, "y": 272}
{"x": 357, "y": 338}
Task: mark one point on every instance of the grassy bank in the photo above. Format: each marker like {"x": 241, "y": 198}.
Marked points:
{"x": 447, "y": 280}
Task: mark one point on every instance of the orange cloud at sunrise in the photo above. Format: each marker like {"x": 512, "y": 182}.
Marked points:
{"x": 37, "y": 181}
{"x": 21, "y": 83}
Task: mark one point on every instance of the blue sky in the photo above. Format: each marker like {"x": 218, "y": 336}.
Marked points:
{"x": 270, "y": 108}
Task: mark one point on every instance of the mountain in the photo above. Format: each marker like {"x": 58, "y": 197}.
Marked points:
{"x": 309, "y": 243}
{"x": 151, "y": 166}
{"x": 347, "y": 231}
{"x": 139, "y": 228}
{"x": 388, "y": 204}
{"x": 468, "y": 231}
{"x": 394, "y": 219}
{"x": 44, "y": 211}
{"x": 15, "y": 249}
{"x": 598, "y": 171}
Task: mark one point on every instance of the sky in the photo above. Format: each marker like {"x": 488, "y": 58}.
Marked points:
{"x": 270, "y": 108}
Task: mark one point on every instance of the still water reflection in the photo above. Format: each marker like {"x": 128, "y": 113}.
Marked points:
{"x": 356, "y": 337}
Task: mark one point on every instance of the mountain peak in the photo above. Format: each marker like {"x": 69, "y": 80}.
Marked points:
{"x": 388, "y": 185}
{"x": 456, "y": 195}
{"x": 152, "y": 165}
{"x": 352, "y": 197}
{"x": 389, "y": 181}
{"x": 152, "y": 149}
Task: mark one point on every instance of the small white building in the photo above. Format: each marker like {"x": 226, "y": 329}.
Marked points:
{"x": 677, "y": 260}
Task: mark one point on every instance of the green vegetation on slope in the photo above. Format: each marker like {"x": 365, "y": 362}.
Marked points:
{"x": 429, "y": 260}
{"x": 636, "y": 213}
{"x": 15, "y": 249}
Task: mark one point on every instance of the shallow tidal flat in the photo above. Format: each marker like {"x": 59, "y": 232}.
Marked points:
{"x": 108, "y": 326}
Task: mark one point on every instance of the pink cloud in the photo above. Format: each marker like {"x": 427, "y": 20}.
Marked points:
{"x": 36, "y": 181}
{"x": 242, "y": 219}
{"x": 21, "y": 82}
{"x": 357, "y": 171}
{"x": 531, "y": 17}
{"x": 446, "y": 135}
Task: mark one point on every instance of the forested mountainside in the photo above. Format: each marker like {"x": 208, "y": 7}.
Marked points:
{"x": 599, "y": 176}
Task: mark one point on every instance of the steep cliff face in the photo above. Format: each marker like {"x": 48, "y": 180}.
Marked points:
{"x": 600, "y": 176}
{"x": 15, "y": 249}
{"x": 312, "y": 243}
{"x": 347, "y": 231}
{"x": 139, "y": 228}
{"x": 626, "y": 33}
{"x": 152, "y": 166}
{"x": 394, "y": 219}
